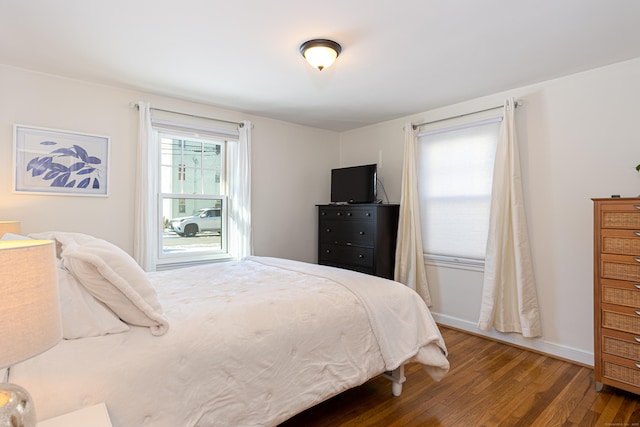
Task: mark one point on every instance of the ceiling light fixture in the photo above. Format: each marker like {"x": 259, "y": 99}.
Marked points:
{"x": 320, "y": 53}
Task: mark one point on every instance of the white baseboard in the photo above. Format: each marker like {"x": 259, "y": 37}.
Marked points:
{"x": 536, "y": 344}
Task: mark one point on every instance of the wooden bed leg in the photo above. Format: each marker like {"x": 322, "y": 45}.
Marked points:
{"x": 397, "y": 378}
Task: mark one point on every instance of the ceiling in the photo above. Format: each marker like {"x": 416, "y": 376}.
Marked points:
{"x": 399, "y": 57}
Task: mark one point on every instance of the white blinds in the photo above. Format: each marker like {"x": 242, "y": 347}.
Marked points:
{"x": 455, "y": 171}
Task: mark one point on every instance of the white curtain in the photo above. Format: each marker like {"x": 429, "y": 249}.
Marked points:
{"x": 240, "y": 234}
{"x": 509, "y": 300}
{"x": 409, "y": 267}
{"x": 145, "y": 192}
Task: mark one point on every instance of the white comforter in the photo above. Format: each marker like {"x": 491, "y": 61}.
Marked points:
{"x": 251, "y": 343}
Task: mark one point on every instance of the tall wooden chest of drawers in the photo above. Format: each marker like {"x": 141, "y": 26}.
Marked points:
{"x": 617, "y": 293}
{"x": 359, "y": 237}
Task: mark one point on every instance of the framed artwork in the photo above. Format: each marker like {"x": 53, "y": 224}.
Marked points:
{"x": 58, "y": 162}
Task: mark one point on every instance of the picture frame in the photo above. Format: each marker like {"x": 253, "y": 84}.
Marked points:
{"x": 60, "y": 162}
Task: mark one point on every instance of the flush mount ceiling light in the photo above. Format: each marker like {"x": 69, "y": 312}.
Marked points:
{"x": 320, "y": 53}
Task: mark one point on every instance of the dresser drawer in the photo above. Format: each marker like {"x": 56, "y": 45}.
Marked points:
{"x": 620, "y": 215}
{"x": 620, "y": 318}
{"x": 346, "y": 255}
{"x": 623, "y": 242}
{"x": 620, "y": 293}
{"x": 360, "y": 233}
{"x": 337, "y": 213}
{"x": 621, "y": 344}
{"x": 620, "y": 267}
{"x": 622, "y": 370}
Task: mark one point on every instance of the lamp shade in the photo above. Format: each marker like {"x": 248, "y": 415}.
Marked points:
{"x": 30, "y": 321}
{"x": 9, "y": 227}
{"x": 320, "y": 53}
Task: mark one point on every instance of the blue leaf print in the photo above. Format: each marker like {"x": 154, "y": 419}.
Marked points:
{"x": 50, "y": 175}
{"x": 33, "y": 163}
{"x": 65, "y": 152}
{"x": 57, "y": 167}
{"x": 40, "y": 167}
{"x": 82, "y": 153}
{"x": 76, "y": 166}
{"x": 61, "y": 180}
{"x": 79, "y": 174}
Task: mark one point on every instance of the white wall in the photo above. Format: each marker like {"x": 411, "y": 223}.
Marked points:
{"x": 290, "y": 163}
{"x": 579, "y": 138}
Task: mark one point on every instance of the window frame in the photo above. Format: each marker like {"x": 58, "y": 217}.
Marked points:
{"x": 184, "y": 131}
{"x": 453, "y": 261}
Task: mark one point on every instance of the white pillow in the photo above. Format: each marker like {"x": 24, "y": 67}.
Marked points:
{"x": 82, "y": 314}
{"x": 11, "y": 236}
{"x": 111, "y": 276}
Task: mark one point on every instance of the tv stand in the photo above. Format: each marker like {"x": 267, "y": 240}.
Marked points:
{"x": 360, "y": 237}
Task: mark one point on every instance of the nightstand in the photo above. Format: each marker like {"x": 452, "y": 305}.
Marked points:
{"x": 93, "y": 416}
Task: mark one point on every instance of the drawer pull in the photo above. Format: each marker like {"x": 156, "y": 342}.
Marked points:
{"x": 637, "y": 312}
{"x": 637, "y": 285}
{"x": 369, "y": 213}
{"x": 327, "y": 251}
{"x": 361, "y": 233}
{"x": 349, "y": 214}
{"x": 637, "y": 365}
{"x": 362, "y": 256}
{"x": 323, "y": 213}
{"x": 637, "y": 233}
{"x": 636, "y": 206}
{"x": 637, "y": 339}
{"x": 339, "y": 213}
{"x": 328, "y": 230}
{"x": 637, "y": 259}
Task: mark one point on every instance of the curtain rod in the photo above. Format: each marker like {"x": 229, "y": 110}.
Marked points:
{"x": 191, "y": 115}
{"x": 517, "y": 103}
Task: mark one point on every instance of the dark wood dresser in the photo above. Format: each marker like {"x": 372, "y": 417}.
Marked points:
{"x": 617, "y": 293}
{"x": 359, "y": 237}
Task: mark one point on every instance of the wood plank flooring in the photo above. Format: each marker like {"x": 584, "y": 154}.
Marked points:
{"x": 489, "y": 384}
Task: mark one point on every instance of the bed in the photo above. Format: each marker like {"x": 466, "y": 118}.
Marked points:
{"x": 240, "y": 343}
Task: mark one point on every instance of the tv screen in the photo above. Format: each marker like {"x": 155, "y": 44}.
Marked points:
{"x": 356, "y": 184}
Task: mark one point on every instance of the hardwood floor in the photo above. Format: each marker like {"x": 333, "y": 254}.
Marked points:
{"x": 489, "y": 384}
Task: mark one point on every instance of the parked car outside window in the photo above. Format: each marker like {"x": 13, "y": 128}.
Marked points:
{"x": 203, "y": 220}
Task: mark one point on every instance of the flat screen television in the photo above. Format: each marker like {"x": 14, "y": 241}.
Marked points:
{"x": 355, "y": 184}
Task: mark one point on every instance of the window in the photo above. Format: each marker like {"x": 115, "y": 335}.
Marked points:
{"x": 455, "y": 174}
{"x": 191, "y": 170}
{"x": 192, "y": 195}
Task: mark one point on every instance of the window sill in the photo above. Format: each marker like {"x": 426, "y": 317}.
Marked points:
{"x": 175, "y": 263}
{"x": 454, "y": 263}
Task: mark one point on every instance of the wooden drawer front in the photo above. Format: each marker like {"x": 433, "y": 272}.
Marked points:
{"x": 623, "y": 372}
{"x": 624, "y": 242}
{"x": 621, "y": 215}
{"x": 620, "y": 267}
{"x": 347, "y": 214}
{"x": 346, "y": 255}
{"x": 621, "y": 293}
{"x": 621, "y": 345}
{"x": 347, "y": 232}
{"x": 620, "y": 318}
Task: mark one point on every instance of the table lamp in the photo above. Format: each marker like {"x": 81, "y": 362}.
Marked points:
{"x": 30, "y": 321}
{"x": 12, "y": 227}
